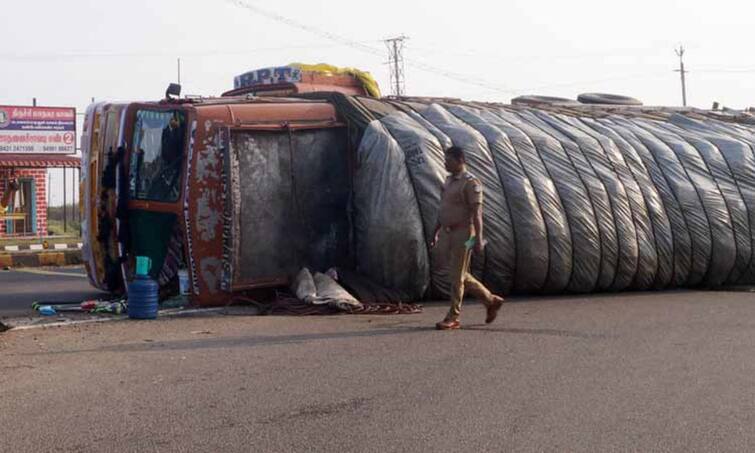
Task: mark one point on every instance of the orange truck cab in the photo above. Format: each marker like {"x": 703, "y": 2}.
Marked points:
{"x": 194, "y": 184}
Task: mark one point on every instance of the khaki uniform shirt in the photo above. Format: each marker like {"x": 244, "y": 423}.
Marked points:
{"x": 461, "y": 193}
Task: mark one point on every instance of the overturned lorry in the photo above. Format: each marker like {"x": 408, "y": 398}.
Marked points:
{"x": 298, "y": 168}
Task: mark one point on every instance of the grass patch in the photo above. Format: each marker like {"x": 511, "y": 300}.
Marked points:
{"x": 55, "y": 228}
{"x": 55, "y": 233}
{"x": 40, "y": 239}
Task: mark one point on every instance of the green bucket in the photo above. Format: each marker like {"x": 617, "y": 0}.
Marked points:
{"x": 143, "y": 265}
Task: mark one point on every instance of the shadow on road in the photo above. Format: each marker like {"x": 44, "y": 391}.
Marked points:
{"x": 148, "y": 345}
{"x": 548, "y": 332}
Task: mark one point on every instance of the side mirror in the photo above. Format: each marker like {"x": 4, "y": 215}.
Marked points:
{"x": 173, "y": 91}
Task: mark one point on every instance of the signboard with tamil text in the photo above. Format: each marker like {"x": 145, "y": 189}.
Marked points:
{"x": 39, "y": 130}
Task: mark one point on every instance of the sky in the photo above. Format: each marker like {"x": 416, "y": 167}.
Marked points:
{"x": 66, "y": 53}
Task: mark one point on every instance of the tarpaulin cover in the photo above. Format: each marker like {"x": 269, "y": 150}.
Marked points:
{"x": 322, "y": 289}
{"x": 577, "y": 199}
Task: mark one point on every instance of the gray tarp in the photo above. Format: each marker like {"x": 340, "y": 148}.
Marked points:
{"x": 558, "y": 245}
{"x": 423, "y": 156}
{"x": 322, "y": 289}
{"x": 587, "y": 209}
{"x": 576, "y": 200}
{"x": 391, "y": 246}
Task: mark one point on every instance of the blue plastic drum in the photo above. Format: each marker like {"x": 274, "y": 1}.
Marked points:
{"x": 143, "y": 298}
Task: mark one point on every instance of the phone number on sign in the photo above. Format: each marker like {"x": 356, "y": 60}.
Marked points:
{"x": 30, "y": 149}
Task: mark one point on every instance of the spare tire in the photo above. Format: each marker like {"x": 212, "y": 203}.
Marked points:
{"x": 540, "y": 100}
{"x": 607, "y": 99}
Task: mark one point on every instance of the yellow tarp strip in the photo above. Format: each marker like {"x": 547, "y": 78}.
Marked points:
{"x": 368, "y": 82}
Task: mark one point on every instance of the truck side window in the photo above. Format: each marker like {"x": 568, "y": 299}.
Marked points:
{"x": 157, "y": 153}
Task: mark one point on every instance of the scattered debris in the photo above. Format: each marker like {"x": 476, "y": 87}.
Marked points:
{"x": 175, "y": 302}
{"x": 47, "y": 310}
{"x": 315, "y": 292}
{"x": 320, "y": 289}
{"x": 114, "y": 307}
{"x": 322, "y": 294}
{"x": 388, "y": 309}
{"x": 286, "y": 304}
{"x": 91, "y": 318}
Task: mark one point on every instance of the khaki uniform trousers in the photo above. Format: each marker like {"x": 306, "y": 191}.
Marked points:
{"x": 457, "y": 256}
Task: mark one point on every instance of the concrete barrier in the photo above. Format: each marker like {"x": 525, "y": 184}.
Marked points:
{"x": 33, "y": 258}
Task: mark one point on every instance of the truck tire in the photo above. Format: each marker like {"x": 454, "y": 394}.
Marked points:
{"x": 534, "y": 100}
{"x": 607, "y": 99}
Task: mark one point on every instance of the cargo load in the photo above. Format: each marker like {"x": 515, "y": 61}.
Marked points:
{"x": 577, "y": 198}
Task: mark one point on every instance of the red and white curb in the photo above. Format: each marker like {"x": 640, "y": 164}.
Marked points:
{"x": 41, "y": 247}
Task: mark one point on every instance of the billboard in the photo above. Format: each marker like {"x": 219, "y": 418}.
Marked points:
{"x": 39, "y": 130}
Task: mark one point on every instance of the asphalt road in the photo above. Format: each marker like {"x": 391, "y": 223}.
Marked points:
{"x": 22, "y": 287}
{"x": 640, "y": 372}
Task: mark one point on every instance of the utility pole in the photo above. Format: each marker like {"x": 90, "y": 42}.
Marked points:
{"x": 65, "y": 202}
{"x": 683, "y": 72}
{"x": 396, "y": 62}
{"x": 179, "y": 70}
{"x": 78, "y": 210}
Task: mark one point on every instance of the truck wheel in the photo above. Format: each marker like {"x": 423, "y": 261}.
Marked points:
{"x": 540, "y": 100}
{"x": 607, "y": 99}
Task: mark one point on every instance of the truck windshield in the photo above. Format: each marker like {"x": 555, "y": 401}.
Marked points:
{"x": 157, "y": 154}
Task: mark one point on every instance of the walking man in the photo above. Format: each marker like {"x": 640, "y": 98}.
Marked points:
{"x": 458, "y": 232}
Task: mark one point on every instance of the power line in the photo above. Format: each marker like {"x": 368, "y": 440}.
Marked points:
{"x": 726, "y": 71}
{"x": 365, "y": 48}
{"x": 165, "y": 53}
{"x": 458, "y": 77}
{"x": 293, "y": 23}
{"x": 616, "y": 53}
